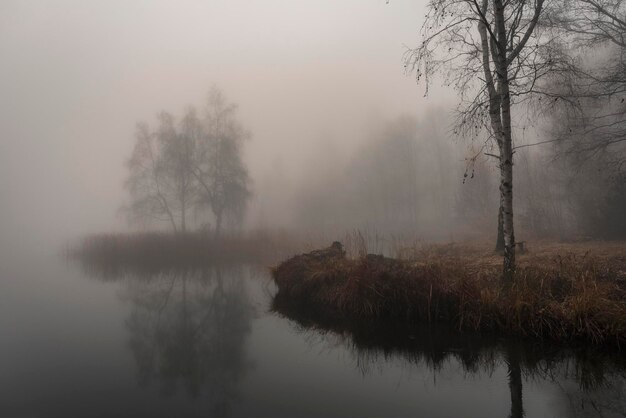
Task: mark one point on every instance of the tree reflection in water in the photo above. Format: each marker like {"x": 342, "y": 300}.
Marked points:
{"x": 590, "y": 379}
{"x": 189, "y": 327}
{"x": 188, "y": 330}
{"x": 512, "y": 358}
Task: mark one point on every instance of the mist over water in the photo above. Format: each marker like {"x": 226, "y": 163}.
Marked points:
{"x": 204, "y": 341}
{"x": 337, "y": 142}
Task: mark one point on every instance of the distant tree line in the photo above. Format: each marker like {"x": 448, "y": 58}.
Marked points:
{"x": 190, "y": 166}
{"x": 398, "y": 182}
{"x": 405, "y": 181}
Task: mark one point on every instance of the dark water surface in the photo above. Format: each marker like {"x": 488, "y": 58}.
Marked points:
{"x": 82, "y": 342}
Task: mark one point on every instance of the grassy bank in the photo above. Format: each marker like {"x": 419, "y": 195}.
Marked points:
{"x": 574, "y": 292}
{"x": 115, "y": 254}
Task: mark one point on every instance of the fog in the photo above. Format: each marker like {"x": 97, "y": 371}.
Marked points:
{"x": 77, "y": 76}
{"x": 318, "y": 84}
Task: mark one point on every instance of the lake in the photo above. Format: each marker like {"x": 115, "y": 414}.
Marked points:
{"x": 99, "y": 342}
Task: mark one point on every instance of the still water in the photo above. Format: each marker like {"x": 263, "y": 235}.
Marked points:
{"x": 96, "y": 342}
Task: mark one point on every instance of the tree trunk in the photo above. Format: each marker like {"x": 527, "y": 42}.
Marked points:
{"x": 170, "y": 216}
{"x": 500, "y": 236}
{"x": 218, "y": 223}
{"x": 506, "y": 144}
{"x": 183, "y": 226}
{"x": 506, "y": 196}
{"x": 173, "y": 223}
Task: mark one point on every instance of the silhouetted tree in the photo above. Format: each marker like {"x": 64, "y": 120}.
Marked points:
{"x": 196, "y": 163}
{"x": 218, "y": 167}
{"x": 177, "y": 151}
{"x": 159, "y": 182}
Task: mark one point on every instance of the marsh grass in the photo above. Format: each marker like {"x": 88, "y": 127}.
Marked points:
{"x": 148, "y": 252}
{"x": 113, "y": 255}
{"x": 574, "y": 292}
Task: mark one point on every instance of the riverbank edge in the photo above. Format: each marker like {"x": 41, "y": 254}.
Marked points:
{"x": 572, "y": 299}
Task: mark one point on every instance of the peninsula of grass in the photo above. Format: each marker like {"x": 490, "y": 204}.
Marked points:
{"x": 566, "y": 293}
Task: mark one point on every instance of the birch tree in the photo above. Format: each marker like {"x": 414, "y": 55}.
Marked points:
{"x": 218, "y": 167}
{"x": 176, "y": 156}
{"x": 195, "y": 163}
{"x": 495, "y": 54}
{"x": 159, "y": 181}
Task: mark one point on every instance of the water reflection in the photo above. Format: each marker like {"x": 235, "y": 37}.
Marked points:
{"x": 192, "y": 333}
{"x": 591, "y": 381}
{"x": 188, "y": 330}
{"x": 512, "y": 357}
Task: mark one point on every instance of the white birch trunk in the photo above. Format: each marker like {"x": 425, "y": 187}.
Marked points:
{"x": 506, "y": 145}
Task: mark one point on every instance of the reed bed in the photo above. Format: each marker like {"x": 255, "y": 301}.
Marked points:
{"x": 115, "y": 254}
{"x": 560, "y": 292}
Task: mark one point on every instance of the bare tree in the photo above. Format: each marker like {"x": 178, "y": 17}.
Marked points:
{"x": 598, "y": 27}
{"x": 594, "y": 22}
{"x": 177, "y": 153}
{"x": 218, "y": 166}
{"x": 595, "y": 183}
{"x": 145, "y": 182}
{"x": 495, "y": 53}
{"x": 193, "y": 164}
{"x": 159, "y": 181}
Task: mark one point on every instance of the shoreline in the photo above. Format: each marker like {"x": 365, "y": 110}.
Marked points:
{"x": 572, "y": 296}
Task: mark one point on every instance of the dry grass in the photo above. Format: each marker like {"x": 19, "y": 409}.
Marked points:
{"x": 115, "y": 254}
{"x": 564, "y": 292}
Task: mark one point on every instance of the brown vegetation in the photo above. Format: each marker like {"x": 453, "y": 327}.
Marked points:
{"x": 564, "y": 292}
{"x": 116, "y": 254}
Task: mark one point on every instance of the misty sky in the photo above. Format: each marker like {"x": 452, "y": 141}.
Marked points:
{"x": 77, "y": 75}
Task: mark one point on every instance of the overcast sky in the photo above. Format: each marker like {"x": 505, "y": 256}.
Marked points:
{"x": 77, "y": 75}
